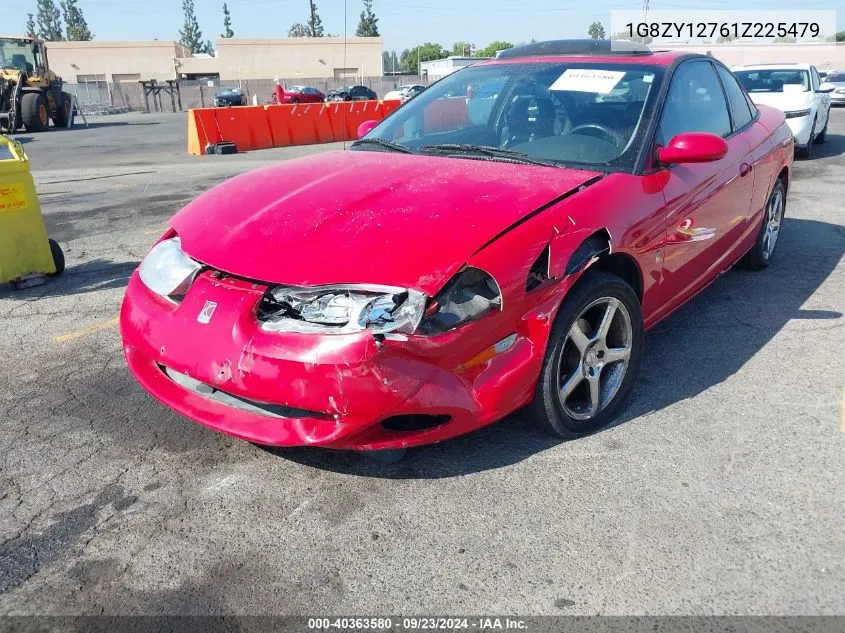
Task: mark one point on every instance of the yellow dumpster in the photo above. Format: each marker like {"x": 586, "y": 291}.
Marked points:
{"x": 26, "y": 254}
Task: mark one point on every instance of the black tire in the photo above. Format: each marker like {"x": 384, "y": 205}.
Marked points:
{"x": 295, "y": 101}
{"x": 58, "y": 257}
{"x": 822, "y": 137}
{"x": 548, "y": 408}
{"x": 807, "y": 150}
{"x": 34, "y": 112}
{"x": 759, "y": 256}
{"x": 64, "y": 114}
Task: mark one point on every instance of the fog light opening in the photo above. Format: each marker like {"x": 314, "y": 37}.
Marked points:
{"x": 414, "y": 422}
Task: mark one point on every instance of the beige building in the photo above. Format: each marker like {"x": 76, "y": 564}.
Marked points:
{"x": 300, "y": 57}
{"x": 824, "y": 56}
{"x": 114, "y": 62}
{"x": 236, "y": 59}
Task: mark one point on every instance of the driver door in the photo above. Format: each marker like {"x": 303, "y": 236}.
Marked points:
{"x": 707, "y": 204}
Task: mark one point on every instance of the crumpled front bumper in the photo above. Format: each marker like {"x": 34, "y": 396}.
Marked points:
{"x": 288, "y": 389}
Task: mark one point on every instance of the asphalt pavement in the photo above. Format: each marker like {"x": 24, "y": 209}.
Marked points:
{"x": 720, "y": 491}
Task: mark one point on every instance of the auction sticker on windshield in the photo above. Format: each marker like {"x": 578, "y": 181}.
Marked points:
{"x": 587, "y": 80}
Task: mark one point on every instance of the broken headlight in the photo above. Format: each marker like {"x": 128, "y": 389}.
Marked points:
{"x": 470, "y": 295}
{"x": 341, "y": 309}
{"x": 167, "y": 270}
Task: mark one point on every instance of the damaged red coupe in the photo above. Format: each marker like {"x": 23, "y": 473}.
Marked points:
{"x": 502, "y": 240}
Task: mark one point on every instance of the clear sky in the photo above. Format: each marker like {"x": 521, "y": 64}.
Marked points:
{"x": 402, "y": 23}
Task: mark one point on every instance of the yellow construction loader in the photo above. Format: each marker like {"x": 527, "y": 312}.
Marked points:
{"x": 30, "y": 93}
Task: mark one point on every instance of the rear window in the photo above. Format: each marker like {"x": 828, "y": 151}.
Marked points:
{"x": 774, "y": 80}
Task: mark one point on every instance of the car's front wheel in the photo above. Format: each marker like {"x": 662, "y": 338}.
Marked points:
{"x": 823, "y": 134}
{"x": 592, "y": 358}
{"x": 807, "y": 151}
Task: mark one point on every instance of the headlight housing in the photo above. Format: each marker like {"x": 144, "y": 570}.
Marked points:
{"x": 168, "y": 271}
{"x": 341, "y": 309}
{"x": 470, "y": 295}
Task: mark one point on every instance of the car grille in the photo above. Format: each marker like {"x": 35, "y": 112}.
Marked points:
{"x": 238, "y": 402}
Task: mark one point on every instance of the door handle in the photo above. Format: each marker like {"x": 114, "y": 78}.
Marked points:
{"x": 745, "y": 169}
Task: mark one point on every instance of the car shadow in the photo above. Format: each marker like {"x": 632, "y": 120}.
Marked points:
{"x": 721, "y": 328}
{"x": 834, "y": 145}
{"x": 91, "y": 276}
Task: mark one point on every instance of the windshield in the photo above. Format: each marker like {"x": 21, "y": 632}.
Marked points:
{"x": 774, "y": 80}
{"x": 17, "y": 55}
{"x": 571, "y": 113}
{"x": 836, "y": 78}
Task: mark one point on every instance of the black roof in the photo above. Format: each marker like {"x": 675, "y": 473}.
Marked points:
{"x": 576, "y": 47}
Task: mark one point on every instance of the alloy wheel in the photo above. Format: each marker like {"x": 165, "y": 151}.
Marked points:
{"x": 595, "y": 358}
{"x": 774, "y": 217}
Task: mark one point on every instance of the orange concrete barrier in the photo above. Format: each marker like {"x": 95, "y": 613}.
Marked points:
{"x": 389, "y": 106}
{"x": 349, "y": 115}
{"x": 261, "y": 127}
{"x": 202, "y": 130}
{"x": 278, "y": 118}
{"x": 246, "y": 126}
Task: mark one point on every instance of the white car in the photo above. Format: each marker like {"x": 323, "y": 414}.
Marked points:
{"x": 797, "y": 90}
{"x": 836, "y": 80}
{"x": 403, "y": 93}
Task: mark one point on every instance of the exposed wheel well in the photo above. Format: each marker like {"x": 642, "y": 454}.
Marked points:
{"x": 598, "y": 245}
{"x": 624, "y": 267}
{"x": 784, "y": 175}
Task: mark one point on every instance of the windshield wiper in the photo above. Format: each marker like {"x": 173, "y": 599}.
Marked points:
{"x": 380, "y": 142}
{"x": 486, "y": 150}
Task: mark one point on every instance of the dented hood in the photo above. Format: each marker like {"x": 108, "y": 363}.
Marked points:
{"x": 363, "y": 217}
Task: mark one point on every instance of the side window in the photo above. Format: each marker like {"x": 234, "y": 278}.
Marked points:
{"x": 814, "y": 74}
{"x": 695, "y": 103}
{"x": 736, "y": 98}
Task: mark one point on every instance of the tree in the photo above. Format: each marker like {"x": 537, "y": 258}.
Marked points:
{"x": 840, "y": 36}
{"x": 227, "y": 23}
{"x": 315, "y": 24}
{"x": 298, "y": 30}
{"x": 368, "y": 24}
{"x": 390, "y": 61}
{"x": 49, "y": 21}
{"x": 190, "y": 35}
{"x": 492, "y": 48}
{"x": 596, "y": 31}
{"x": 30, "y": 25}
{"x": 411, "y": 58}
{"x": 76, "y": 28}
{"x": 462, "y": 49}
{"x": 624, "y": 35}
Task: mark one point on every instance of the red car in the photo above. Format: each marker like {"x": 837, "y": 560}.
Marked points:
{"x": 300, "y": 94}
{"x": 469, "y": 256}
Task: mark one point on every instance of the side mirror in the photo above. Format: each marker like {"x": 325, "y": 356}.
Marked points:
{"x": 826, "y": 88}
{"x": 693, "y": 147}
{"x": 365, "y": 128}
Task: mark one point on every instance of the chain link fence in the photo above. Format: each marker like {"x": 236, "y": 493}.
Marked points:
{"x": 102, "y": 97}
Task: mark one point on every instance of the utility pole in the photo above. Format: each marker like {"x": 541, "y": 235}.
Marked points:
{"x": 313, "y": 15}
